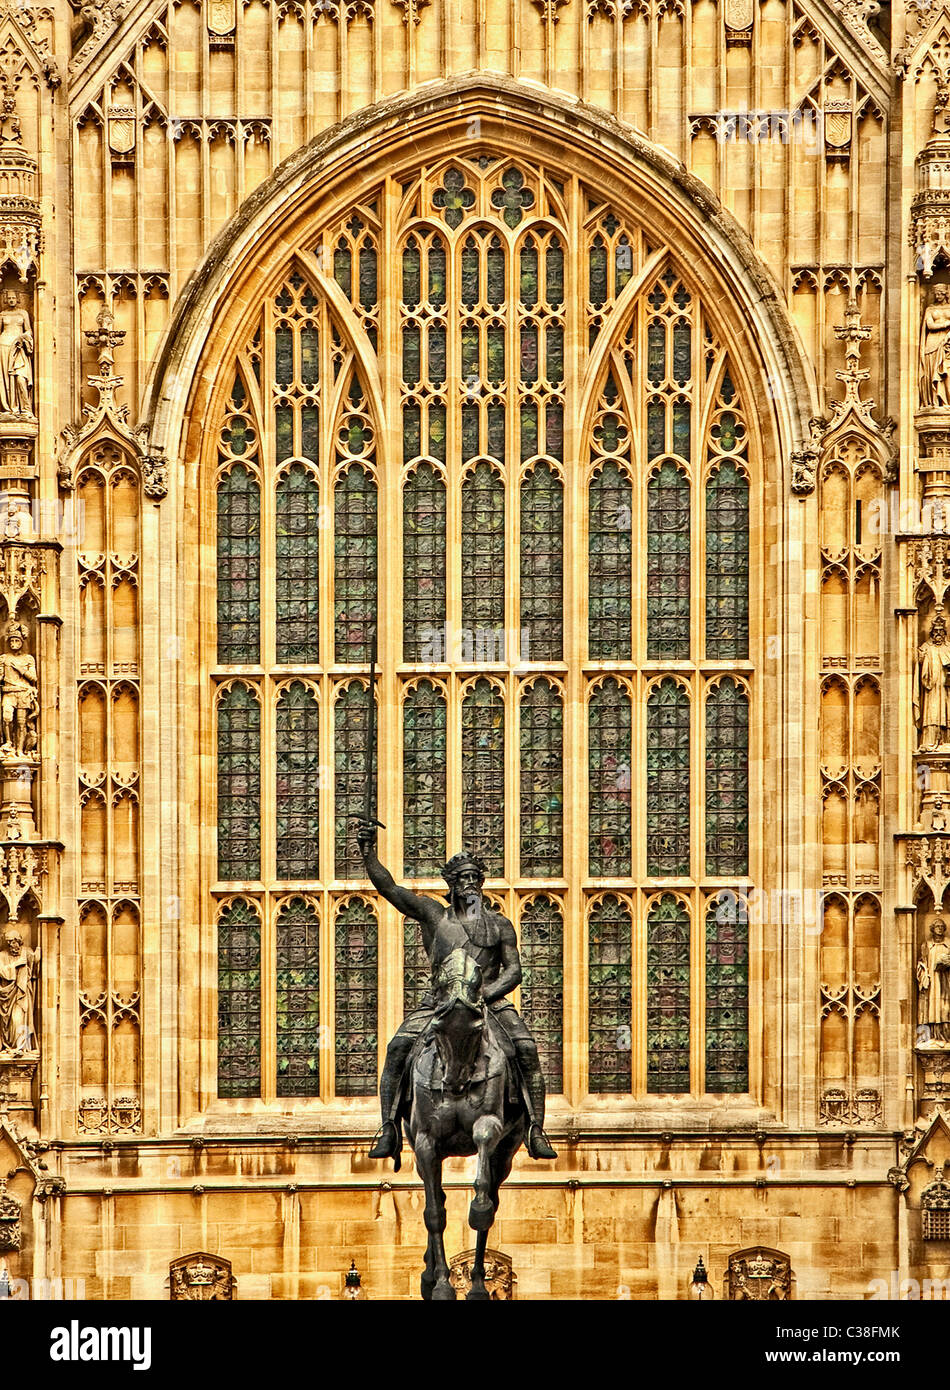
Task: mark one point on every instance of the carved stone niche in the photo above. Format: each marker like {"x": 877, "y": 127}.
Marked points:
{"x": 10, "y": 1212}
{"x": 759, "y": 1275}
{"x": 500, "y": 1278}
{"x": 935, "y": 1208}
{"x": 201, "y": 1278}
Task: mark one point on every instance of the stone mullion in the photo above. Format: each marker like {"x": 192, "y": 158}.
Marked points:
{"x": 453, "y": 539}
{"x": 389, "y": 632}
{"x": 329, "y": 685}
{"x": 511, "y": 610}
{"x": 574, "y": 651}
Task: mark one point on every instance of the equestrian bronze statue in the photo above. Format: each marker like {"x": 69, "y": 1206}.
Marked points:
{"x": 462, "y": 1073}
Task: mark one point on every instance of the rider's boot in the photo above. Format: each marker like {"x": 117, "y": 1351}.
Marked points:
{"x": 539, "y": 1145}
{"x": 388, "y": 1140}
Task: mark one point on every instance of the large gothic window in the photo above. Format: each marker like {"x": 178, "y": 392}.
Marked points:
{"x": 486, "y": 414}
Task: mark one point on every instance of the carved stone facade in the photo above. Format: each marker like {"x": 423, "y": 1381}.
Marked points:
{"x": 237, "y": 244}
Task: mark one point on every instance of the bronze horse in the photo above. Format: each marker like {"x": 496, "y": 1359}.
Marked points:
{"x": 463, "y": 1098}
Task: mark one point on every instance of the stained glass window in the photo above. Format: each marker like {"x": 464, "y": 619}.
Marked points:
{"x": 351, "y": 718}
{"x": 542, "y": 780}
{"x": 609, "y": 754}
{"x": 298, "y": 999}
{"x": 239, "y": 567}
{"x": 483, "y": 774}
{"x": 297, "y": 799}
{"x": 483, "y": 563}
{"x": 423, "y": 780}
{"x": 354, "y": 593}
{"x": 298, "y": 573}
{"x": 668, "y": 715}
{"x": 609, "y": 935}
{"x": 542, "y": 558}
{"x": 542, "y": 985}
{"x": 482, "y": 622}
{"x": 727, "y": 780}
{"x": 417, "y": 975}
{"x": 727, "y": 994}
{"x": 239, "y": 1001}
{"x": 423, "y": 558}
{"x": 239, "y": 785}
{"x": 668, "y": 626}
{"x": 667, "y": 995}
{"x": 727, "y": 564}
{"x": 356, "y": 1043}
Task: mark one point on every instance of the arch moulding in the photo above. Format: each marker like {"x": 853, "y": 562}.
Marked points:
{"x": 443, "y": 118}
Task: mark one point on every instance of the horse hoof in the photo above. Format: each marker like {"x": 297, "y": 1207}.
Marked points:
{"x": 481, "y": 1214}
{"x": 483, "y": 1296}
{"x": 443, "y": 1292}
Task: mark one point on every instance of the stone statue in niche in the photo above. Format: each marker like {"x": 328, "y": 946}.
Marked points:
{"x": 935, "y": 351}
{"x": 19, "y": 694}
{"x": 16, "y": 357}
{"x": 933, "y": 985}
{"x": 19, "y": 969}
{"x": 931, "y": 696}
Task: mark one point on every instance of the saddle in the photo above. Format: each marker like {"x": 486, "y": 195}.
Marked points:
{"x": 425, "y": 1062}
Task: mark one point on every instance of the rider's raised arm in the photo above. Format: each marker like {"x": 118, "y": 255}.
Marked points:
{"x": 509, "y": 977}
{"x": 415, "y": 905}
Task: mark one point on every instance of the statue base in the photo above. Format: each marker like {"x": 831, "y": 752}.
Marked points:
{"x": 17, "y": 771}
{"x": 17, "y": 1072}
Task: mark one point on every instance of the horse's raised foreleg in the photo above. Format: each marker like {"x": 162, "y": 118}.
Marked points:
{"x": 486, "y": 1132}
{"x": 435, "y": 1280}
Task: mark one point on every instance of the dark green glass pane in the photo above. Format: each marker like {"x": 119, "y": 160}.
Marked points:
{"x": 410, "y": 275}
{"x": 310, "y": 433}
{"x": 283, "y": 432}
{"x": 483, "y": 558}
{"x": 343, "y": 269}
{"x": 496, "y": 353}
{"x": 417, "y": 973}
{"x": 668, "y": 996}
{"x": 354, "y": 553}
{"x": 609, "y": 564}
{"x": 351, "y": 714}
{"x": 542, "y": 985}
{"x": 727, "y": 565}
{"x": 656, "y": 352}
{"x": 682, "y": 416}
{"x": 554, "y": 274}
{"x": 668, "y": 575}
{"x": 469, "y": 432}
{"x": 239, "y": 786}
{"x": 411, "y": 354}
{"x": 598, "y": 273}
{"x": 682, "y": 353}
{"x": 239, "y": 1002}
{"x": 436, "y": 276}
{"x": 609, "y": 936}
{"x": 668, "y": 716}
{"x": 483, "y": 775}
{"x": 496, "y": 430}
{"x": 238, "y": 568}
{"x": 411, "y": 432}
{"x": 656, "y": 429}
{"x": 367, "y": 278}
{"x": 423, "y": 555}
{"x": 298, "y": 571}
{"x": 554, "y": 354}
{"x": 356, "y": 1041}
{"x": 470, "y": 286}
{"x": 542, "y": 781}
{"x": 529, "y": 429}
{"x": 423, "y": 781}
{"x": 529, "y": 354}
{"x": 554, "y": 437}
{"x": 298, "y": 1000}
{"x": 309, "y": 357}
{"x": 727, "y": 995}
{"x": 609, "y": 753}
{"x": 469, "y": 340}
{"x": 496, "y": 273}
{"x": 727, "y": 781}
{"x": 437, "y": 432}
{"x": 297, "y": 800}
{"x": 528, "y": 287}
{"x": 436, "y": 354}
{"x": 283, "y": 355}
{"x": 542, "y": 559}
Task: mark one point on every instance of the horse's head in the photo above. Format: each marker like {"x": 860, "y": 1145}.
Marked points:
{"x": 459, "y": 1015}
